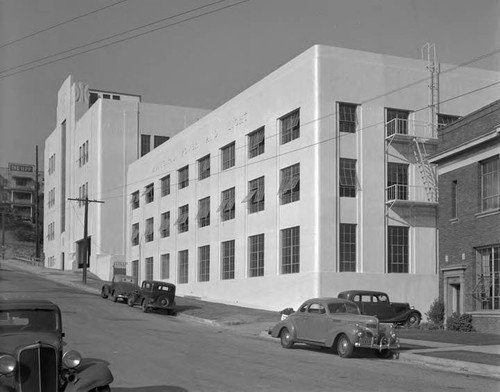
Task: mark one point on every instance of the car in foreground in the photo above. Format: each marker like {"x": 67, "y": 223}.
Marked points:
{"x": 336, "y": 323}
{"x": 377, "y": 303}
{"x": 121, "y": 287}
{"x": 154, "y": 295}
{"x": 33, "y": 356}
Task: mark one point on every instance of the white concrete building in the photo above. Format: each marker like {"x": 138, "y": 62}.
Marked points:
{"x": 98, "y": 134}
{"x": 312, "y": 181}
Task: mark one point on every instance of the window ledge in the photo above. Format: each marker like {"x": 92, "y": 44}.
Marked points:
{"x": 487, "y": 213}
{"x": 454, "y": 220}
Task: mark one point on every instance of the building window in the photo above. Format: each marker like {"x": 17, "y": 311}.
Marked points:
{"x": 145, "y": 144}
{"x": 490, "y": 184}
{"x": 165, "y": 266}
{"x": 183, "y": 177}
{"x": 228, "y": 260}
{"x": 347, "y": 117}
{"x": 454, "y": 204}
{"x": 204, "y": 263}
{"x": 204, "y": 167}
{"x": 149, "y": 268}
{"x": 227, "y": 207}
{"x": 228, "y": 157}
{"x": 204, "y": 212}
{"x": 165, "y": 224}
{"x": 347, "y": 240}
{"x": 52, "y": 164}
{"x": 256, "y": 255}
{"x": 256, "y": 143}
{"x": 397, "y": 248}
{"x": 158, "y": 140}
{"x": 149, "y": 232}
{"x": 487, "y": 289}
{"x": 290, "y": 250}
{"x": 183, "y": 219}
{"x": 397, "y": 121}
{"x": 289, "y": 189}
{"x": 347, "y": 177}
{"x": 183, "y": 268}
{"x": 116, "y": 97}
{"x": 135, "y": 270}
{"x": 149, "y": 193}
{"x": 135, "y": 234}
{"x": 84, "y": 154}
{"x": 397, "y": 181}
{"x": 165, "y": 185}
{"x": 290, "y": 126}
{"x": 445, "y": 119}
{"x": 134, "y": 200}
{"x": 255, "y": 197}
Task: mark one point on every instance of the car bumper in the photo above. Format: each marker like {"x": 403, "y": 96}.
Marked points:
{"x": 378, "y": 344}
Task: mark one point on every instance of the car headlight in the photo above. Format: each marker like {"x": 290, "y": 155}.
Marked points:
{"x": 72, "y": 359}
{"x": 7, "y": 364}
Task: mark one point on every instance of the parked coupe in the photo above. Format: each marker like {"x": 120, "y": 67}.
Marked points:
{"x": 376, "y": 303}
{"x": 336, "y": 323}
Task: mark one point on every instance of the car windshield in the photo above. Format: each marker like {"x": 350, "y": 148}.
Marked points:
{"x": 343, "y": 308}
{"x": 28, "y": 320}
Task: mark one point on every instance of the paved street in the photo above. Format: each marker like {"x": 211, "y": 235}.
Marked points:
{"x": 154, "y": 352}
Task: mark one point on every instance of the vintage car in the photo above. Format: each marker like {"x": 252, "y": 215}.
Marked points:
{"x": 336, "y": 323}
{"x": 154, "y": 295}
{"x": 121, "y": 287}
{"x": 376, "y": 303}
{"x": 33, "y": 356}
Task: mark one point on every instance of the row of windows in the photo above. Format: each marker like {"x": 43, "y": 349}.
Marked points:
{"x": 397, "y": 120}
{"x": 397, "y": 246}
{"x": 290, "y": 259}
{"x": 146, "y": 142}
{"x": 489, "y": 188}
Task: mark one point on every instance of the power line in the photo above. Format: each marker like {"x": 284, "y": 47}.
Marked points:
{"x": 365, "y": 128}
{"x": 60, "y": 24}
{"x": 117, "y": 35}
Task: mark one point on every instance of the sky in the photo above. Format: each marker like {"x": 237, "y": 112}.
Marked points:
{"x": 204, "y": 52}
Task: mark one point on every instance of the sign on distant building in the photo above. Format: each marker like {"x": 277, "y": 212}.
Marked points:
{"x": 21, "y": 168}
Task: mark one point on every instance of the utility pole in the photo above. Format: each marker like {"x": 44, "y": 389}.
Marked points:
{"x": 37, "y": 211}
{"x": 85, "y": 234}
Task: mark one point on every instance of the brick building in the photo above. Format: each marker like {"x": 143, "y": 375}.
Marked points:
{"x": 468, "y": 158}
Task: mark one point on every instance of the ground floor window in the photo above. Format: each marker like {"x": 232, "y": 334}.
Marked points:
{"x": 183, "y": 267}
{"x": 228, "y": 260}
{"x": 290, "y": 250}
{"x": 204, "y": 263}
{"x": 135, "y": 270}
{"x": 347, "y": 254}
{"x": 256, "y": 255}
{"x": 487, "y": 289}
{"x": 397, "y": 249}
{"x": 165, "y": 266}
{"x": 149, "y": 268}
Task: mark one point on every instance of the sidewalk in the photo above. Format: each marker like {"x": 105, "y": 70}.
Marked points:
{"x": 470, "y": 355}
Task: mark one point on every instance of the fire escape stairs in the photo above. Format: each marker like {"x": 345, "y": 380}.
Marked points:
{"x": 426, "y": 170}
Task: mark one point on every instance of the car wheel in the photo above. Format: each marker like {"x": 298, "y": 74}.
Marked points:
{"x": 144, "y": 306}
{"x": 344, "y": 346}
{"x": 286, "y": 338}
{"x": 384, "y": 354}
{"x": 130, "y": 301}
{"x": 104, "y": 292}
{"x": 164, "y": 301}
{"x": 105, "y": 388}
{"x": 413, "y": 320}
{"x": 114, "y": 298}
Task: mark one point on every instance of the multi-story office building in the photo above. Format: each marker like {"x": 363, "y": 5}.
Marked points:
{"x": 312, "y": 181}
{"x": 98, "y": 134}
{"x": 468, "y": 158}
{"x": 18, "y": 186}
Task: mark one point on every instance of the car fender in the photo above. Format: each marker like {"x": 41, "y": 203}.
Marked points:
{"x": 402, "y": 317}
{"x": 276, "y": 331}
{"x": 332, "y": 337}
{"x": 90, "y": 374}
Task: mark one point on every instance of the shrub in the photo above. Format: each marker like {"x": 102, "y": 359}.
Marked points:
{"x": 436, "y": 314}
{"x": 460, "y": 322}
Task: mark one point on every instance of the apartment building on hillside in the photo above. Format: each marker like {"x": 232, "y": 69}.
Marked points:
{"x": 98, "y": 134}
{"x": 312, "y": 181}
{"x": 468, "y": 159}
